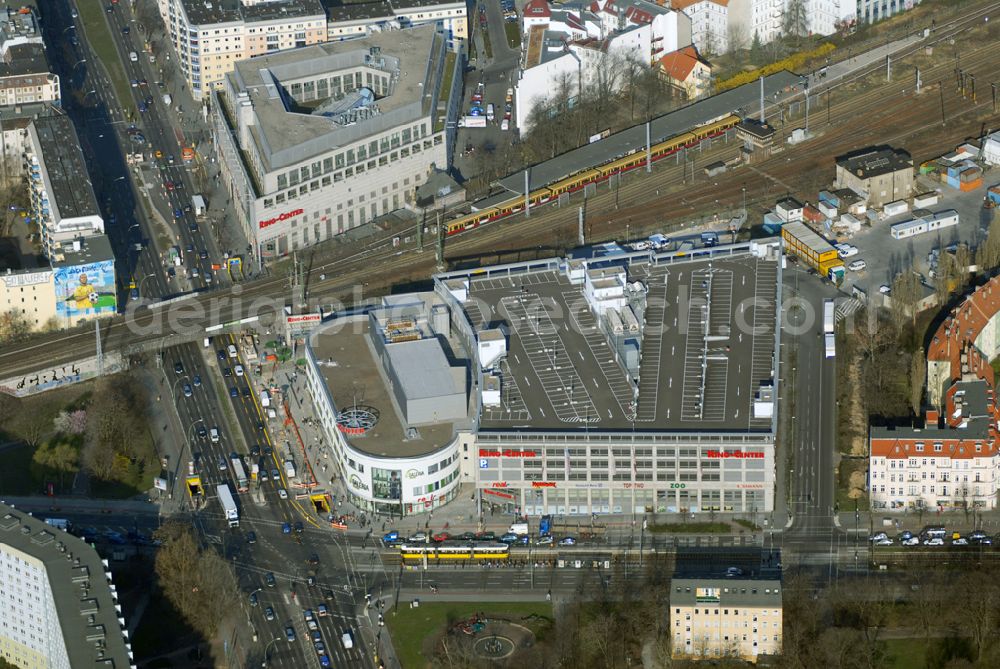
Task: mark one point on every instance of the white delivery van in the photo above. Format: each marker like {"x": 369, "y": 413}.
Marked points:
{"x": 232, "y": 351}
{"x": 347, "y": 639}
{"x": 133, "y": 56}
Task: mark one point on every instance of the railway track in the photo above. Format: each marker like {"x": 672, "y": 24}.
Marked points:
{"x": 377, "y": 267}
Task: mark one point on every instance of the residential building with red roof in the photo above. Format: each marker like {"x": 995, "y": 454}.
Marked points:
{"x": 951, "y": 462}
{"x": 686, "y": 71}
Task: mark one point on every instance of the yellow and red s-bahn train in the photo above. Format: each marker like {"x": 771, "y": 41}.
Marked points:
{"x": 590, "y": 175}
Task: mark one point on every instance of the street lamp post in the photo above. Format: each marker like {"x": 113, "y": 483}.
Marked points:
{"x": 263, "y": 663}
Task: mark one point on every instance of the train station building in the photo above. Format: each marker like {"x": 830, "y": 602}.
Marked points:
{"x": 630, "y": 383}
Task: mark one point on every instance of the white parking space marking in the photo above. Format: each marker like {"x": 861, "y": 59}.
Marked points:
{"x": 604, "y": 355}
{"x": 548, "y": 358}
{"x": 706, "y": 351}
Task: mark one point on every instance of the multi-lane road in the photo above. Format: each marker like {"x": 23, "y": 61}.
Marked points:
{"x": 290, "y": 543}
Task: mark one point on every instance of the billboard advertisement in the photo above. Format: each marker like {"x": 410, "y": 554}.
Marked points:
{"x": 85, "y": 291}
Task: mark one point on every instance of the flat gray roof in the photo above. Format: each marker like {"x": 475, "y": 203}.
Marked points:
{"x": 353, "y": 377}
{"x": 560, "y": 372}
{"x": 422, "y": 368}
{"x": 93, "y": 249}
{"x": 727, "y": 592}
{"x": 207, "y": 12}
{"x": 72, "y": 192}
{"x": 745, "y": 98}
{"x": 285, "y": 137}
{"x": 79, "y": 588}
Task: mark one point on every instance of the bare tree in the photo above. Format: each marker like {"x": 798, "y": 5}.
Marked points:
{"x": 978, "y": 614}
{"x": 988, "y": 253}
{"x": 918, "y": 377}
{"x": 736, "y": 37}
{"x": 904, "y": 297}
{"x": 14, "y": 326}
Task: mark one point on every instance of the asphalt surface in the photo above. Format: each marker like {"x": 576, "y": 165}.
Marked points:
{"x": 242, "y": 425}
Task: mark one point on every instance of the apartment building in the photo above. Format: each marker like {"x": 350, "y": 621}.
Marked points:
{"x": 688, "y": 72}
{"x": 870, "y": 11}
{"x": 62, "y": 197}
{"x": 726, "y": 604}
{"x": 952, "y": 462}
{"x": 58, "y": 606}
{"x": 25, "y": 74}
{"x": 709, "y": 24}
{"x": 568, "y": 50}
{"x": 210, "y": 37}
{"x": 346, "y": 21}
{"x": 357, "y": 127}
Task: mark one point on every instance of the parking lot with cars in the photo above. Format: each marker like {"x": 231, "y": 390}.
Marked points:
{"x": 873, "y": 257}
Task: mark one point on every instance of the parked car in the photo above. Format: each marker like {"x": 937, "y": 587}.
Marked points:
{"x": 509, "y": 538}
{"x": 912, "y": 541}
{"x": 934, "y": 541}
{"x": 544, "y": 540}
{"x": 879, "y": 536}
{"x": 961, "y": 541}
{"x": 884, "y": 542}
{"x": 857, "y": 265}
{"x": 441, "y": 536}
{"x": 417, "y": 538}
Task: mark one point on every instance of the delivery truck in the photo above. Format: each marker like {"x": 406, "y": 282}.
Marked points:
{"x": 831, "y": 346}
{"x": 829, "y": 318}
{"x": 228, "y": 505}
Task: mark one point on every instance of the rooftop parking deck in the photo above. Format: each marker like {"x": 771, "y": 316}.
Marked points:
{"x": 707, "y": 346}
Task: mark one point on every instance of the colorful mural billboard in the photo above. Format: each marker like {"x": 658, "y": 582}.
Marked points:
{"x": 85, "y": 291}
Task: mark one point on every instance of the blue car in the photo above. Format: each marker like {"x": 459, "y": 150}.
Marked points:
{"x": 197, "y": 381}
{"x": 178, "y": 213}
{"x": 324, "y": 661}
{"x": 233, "y": 392}
{"x": 143, "y": 107}
{"x": 286, "y": 528}
{"x": 390, "y": 537}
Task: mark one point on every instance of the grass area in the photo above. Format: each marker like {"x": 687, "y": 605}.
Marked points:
{"x": 847, "y": 467}
{"x": 410, "y": 627}
{"x": 487, "y": 45}
{"x": 743, "y": 522}
{"x": 512, "y": 29}
{"x": 690, "y": 528}
{"x": 446, "y": 81}
{"x": 101, "y": 42}
{"x": 905, "y": 653}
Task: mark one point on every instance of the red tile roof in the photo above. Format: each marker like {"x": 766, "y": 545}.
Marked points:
{"x": 678, "y": 64}
{"x": 537, "y": 9}
{"x": 959, "y": 331}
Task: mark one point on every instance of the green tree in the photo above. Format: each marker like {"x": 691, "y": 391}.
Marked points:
{"x": 59, "y": 456}
{"x": 756, "y": 49}
{"x": 795, "y": 22}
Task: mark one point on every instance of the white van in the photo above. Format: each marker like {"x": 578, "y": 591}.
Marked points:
{"x": 214, "y": 434}
{"x": 133, "y": 56}
{"x": 490, "y": 112}
{"x": 232, "y": 351}
{"x": 347, "y": 640}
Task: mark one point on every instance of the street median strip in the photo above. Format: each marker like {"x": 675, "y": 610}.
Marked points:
{"x": 101, "y": 43}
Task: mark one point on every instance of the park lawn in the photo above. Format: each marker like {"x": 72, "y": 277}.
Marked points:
{"x": 409, "y": 627}
{"x": 100, "y": 41}
{"x": 513, "y": 31}
{"x": 905, "y": 653}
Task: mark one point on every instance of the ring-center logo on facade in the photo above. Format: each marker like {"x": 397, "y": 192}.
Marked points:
{"x": 356, "y": 482}
{"x": 413, "y": 473}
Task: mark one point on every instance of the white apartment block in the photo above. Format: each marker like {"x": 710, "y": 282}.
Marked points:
{"x": 725, "y": 617}
{"x": 359, "y": 125}
{"x": 709, "y": 25}
{"x": 870, "y": 11}
{"x": 347, "y": 21}
{"x": 210, "y": 37}
{"x": 57, "y": 602}
{"x": 566, "y": 51}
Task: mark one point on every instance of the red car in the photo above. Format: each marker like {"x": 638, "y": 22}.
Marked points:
{"x": 169, "y": 185}
{"x": 441, "y": 536}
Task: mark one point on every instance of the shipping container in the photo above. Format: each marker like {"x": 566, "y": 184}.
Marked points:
{"x": 772, "y": 219}
{"x": 993, "y": 194}
{"x": 812, "y": 249}
{"x": 812, "y": 214}
{"x": 896, "y": 208}
{"x": 907, "y": 229}
{"x": 829, "y": 198}
{"x": 928, "y": 167}
{"x": 827, "y": 209}
{"x": 925, "y": 200}
{"x": 967, "y": 186}
{"x": 971, "y": 174}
